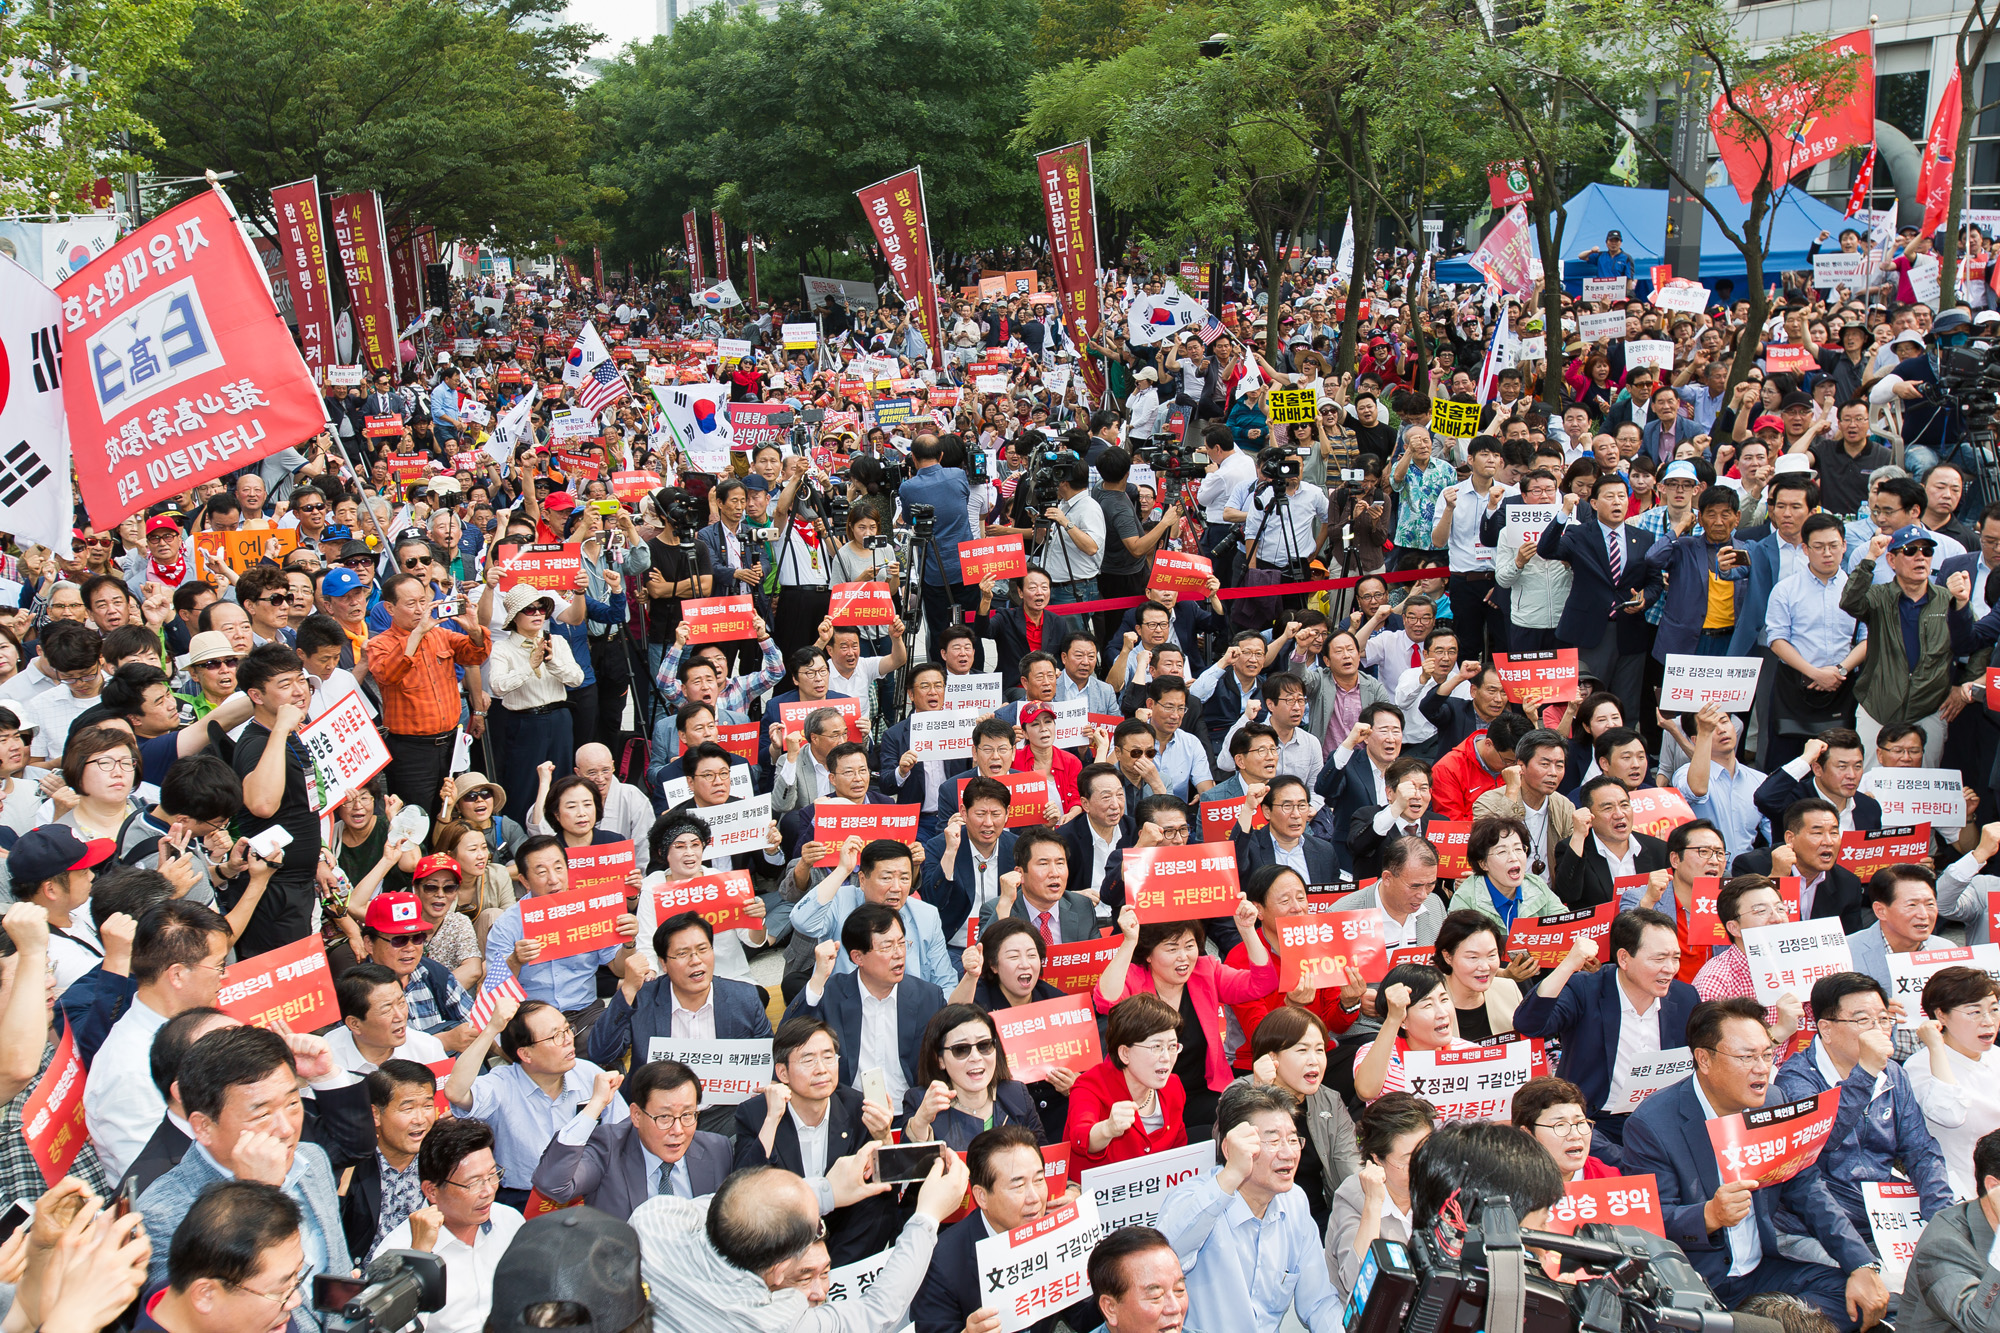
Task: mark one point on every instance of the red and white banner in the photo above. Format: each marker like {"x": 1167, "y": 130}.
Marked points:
{"x": 1000, "y": 557}
{"x": 1864, "y": 181}
{"x": 1658, "y": 811}
{"x": 1188, "y": 883}
{"x": 176, "y": 313}
{"x": 1782, "y": 123}
{"x": 1069, "y": 198}
{"x": 1075, "y": 968}
{"x": 752, "y": 425}
{"x": 719, "y": 619}
{"x": 1039, "y": 1269}
{"x": 363, "y": 244}
{"x": 606, "y": 865}
{"x": 1940, "y": 165}
{"x": 574, "y": 921}
{"x": 1864, "y": 853}
{"x": 897, "y": 217}
{"x": 717, "y": 899}
{"x": 691, "y": 234}
{"x": 1534, "y": 679}
{"x": 1451, "y": 837}
{"x": 1180, "y": 572}
{"x": 630, "y": 487}
{"x": 1787, "y": 959}
{"x": 1910, "y": 972}
{"x": 861, "y": 604}
{"x": 1896, "y": 1221}
{"x": 1619, "y": 1200}
{"x": 343, "y": 751}
{"x": 1770, "y": 1144}
{"x": 302, "y": 246}
{"x": 794, "y": 715}
{"x": 1321, "y": 947}
{"x": 835, "y": 824}
{"x": 1029, "y": 792}
{"x": 1504, "y": 255}
{"x": 721, "y": 245}
{"x": 1507, "y": 183}
{"x": 1219, "y": 817}
{"x": 1474, "y": 1082}
{"x": 291, "y": 983}
{"x": 52, "y": 1123}
{"x": 1550, "y": 937}
{"x": 548, "y": 567}
{"x": 1051, "y": 1034}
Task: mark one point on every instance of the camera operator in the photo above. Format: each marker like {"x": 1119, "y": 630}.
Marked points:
{"x": 1127, "y": 557}
{"x": 1229, "y": 470}
{"x": 1303, "y": 527}
{"x": 1933, "y": 427}
{"x": 1074, "y": 528}
{"x": 948, "y": 492}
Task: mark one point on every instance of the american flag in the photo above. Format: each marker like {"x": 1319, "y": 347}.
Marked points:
{"x": 1211, "y": 329}
{"x": 602, "y": 387}
{"x": 482, "y": 1009}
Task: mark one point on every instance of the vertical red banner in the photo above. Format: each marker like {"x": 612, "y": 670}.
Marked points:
{"x": 404, "y": 293}
{"x": 303, "y": 246}
{"x": 597, "y": 267}
{"x": 901, "y": 223}
{"x": 721, "y": 245}
{"x": 691, "y": 233}
{"x": 426, "y": 244}
{"x": 52, "y": 1117}
{"x": 750, "y": 265}
{"x": 359, "y": 236}
{"x": 1070, "y": 198}
{"x": 1940, "y": 167}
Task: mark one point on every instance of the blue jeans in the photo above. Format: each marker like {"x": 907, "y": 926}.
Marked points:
{"x": 1082, "y": 590}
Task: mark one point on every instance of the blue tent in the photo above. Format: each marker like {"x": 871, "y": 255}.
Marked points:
{"x": 1641, "y": 216}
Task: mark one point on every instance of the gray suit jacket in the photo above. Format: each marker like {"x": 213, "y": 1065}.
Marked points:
{"x": 1429, "y": 917}
{"x": 1951, "y": 1286}
{"x": 609, "y": 1168}
{"x": 167, "y": 1201}
{"x": 797, "y": 794}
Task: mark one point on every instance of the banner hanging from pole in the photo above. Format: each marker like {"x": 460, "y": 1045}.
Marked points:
{"x": 901, "y": 223}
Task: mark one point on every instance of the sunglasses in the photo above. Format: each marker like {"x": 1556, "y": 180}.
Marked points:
{"x": 964, "y": 1049}
{"x": 219, "y": 663}
{"x": 417, "y": 562}
{"x": 100, "y": 541}
{"x": 279, "y": 599}
{"x": 360, "y": 562}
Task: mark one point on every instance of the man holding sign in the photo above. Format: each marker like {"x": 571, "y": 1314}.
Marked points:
{"x": 548, "y": 970}
{"x": 1727, "y": 1229}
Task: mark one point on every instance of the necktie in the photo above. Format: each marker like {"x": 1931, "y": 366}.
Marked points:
{"x": 666, "y": 1181}
{"x": 1048, "y": 934}
{"x": 1416, "y": 656}
{"x": 1616, "y": 551}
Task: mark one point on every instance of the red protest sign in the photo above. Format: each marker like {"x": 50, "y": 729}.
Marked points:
{"x": 1781, "y": 358}
{"x": 1075, "y": 968}
{"x": 739, "y": 738}
{"x": 794, "y": 715}
{"x": 407, "y": 468}
{"x": 1055, "y": 1168}
{"x": 551, "y": 568}
{"x": 719, "y": 899}
{"x": 1180, "y": 572}
{"x": 835, "y": 824}
{"x": 719, "y": 619}
{"x": 291, "y": 983}
{"x": 1507, "y": 183}
{"x": 1052, "y": 1034}
{"x": 572, "y": 922}
{"x": 1620, "y": 1200}
{"x": 178, "y": 311}
{"x": 538, "y": 1204}
{"x": 52, "y": 1118}
{"x": 1534, "y": 679}
{"x": 1451, "y": 837}
{"x": 577, "y": 465}
{"x": 861, "y": 604}
{"x": 629, "y": 487}
{"x": 1320, "y": 948}
{"x": 1549, "y": 937}
{"x": 1993, "y": 688}
{"x": 1219, "y": 817}
{"x": 1658, "y": 811}
{"x": 552, "y": 391}
{"x": 441, "y": 1073}
{"x": 998, "y": 557}
{"x": 1181, "y": 883}
{"x": 388, "y": 427}
{"x": 1704, "y": 927}
{"x": 605, "y": 866}
{"x": 1993, "y": 916}
{"x": 1424, "y": 954}
{"x": 1660, "y": 275}
{"x": 1029, "y": 793}
{"x": 1770, "y": 1144}
{"x": 1865, "y": 853}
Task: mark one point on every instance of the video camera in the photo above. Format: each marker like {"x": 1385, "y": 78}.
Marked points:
{"x": 1636, "y": 1282}
{"x": 1171, "y": 464}
{"x": 399, "y": 1286}
{"x": 1969, "y": 377}
{"x": 1277, "y": 464}
{"x": 1046, "y": 467}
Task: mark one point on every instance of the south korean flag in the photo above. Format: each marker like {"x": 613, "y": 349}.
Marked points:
{"x": 34, "y": 437}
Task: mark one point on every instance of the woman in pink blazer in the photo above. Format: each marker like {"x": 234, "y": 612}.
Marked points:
{"x": 1165, "y": 959}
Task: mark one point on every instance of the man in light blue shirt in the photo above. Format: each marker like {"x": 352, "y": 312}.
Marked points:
{"x": 1244, "y": 1232}
{"x": 887, "y": 873}
{"x": 570, "y": 984}
{"x": 1720, "y": 789}
{"x": 444, "y": 406}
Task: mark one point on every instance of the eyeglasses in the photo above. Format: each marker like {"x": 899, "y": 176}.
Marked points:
{"x": 416, "y": 562}
{"x": 670, "y": 1119}
{"x": 1263, "y": 751}
{"x": 360, "y": 562}
{"x": 1142, "y": 754}
{"x": 478, "y": 1184}
{"x": 299, "y": 1279}
{"x": 963, "y": 1050}
{"x": 561, "y": 1034}
{"x": 312, "y": 509}
{"x": 1568, "y": 1129}
{"x": 1708, "y": 852}
{"x": 1159, "y": 1048}
{"x": 1293, "y": 807}
{"x": 1869, "y": 1023}
{"x": 1763, "y": 1059}
{"x": 414, "y": 940}
{"x": 702, "y": 950}
{"x": 279, "y": 599}
{"x": 481, "y": 795}
{"x": 100, "y": 541}
{"x": 814, "y": 1063}
{"x": 108, "y": 764}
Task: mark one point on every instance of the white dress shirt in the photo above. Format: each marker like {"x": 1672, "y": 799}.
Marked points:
{"x": 1746, "y": 1247}
{"x": 1638, "y": 1039}
{"x": 468, "y": 1269}
{"x": 695, "y": 1024}
{"x": 417, "y": 1045}
{"x": 878, "y": 1043}
{"x": 121, "y": 1106}
{"x": 812, "y": 1143}
{"x": 1620, "y": 865}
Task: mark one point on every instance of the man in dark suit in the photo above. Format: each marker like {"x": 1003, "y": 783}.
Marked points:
{"x": 1093, "y": 840}
{"x": 1829, "y": 770}
{"x": 1044, "y": 867}
{"x": 872, "y": 935}
{"x": 904, "y": 779}
{"x": 1728, "y": 1230}
{"x": 964, "y": 864}
{"x": 847, "y": 771}
{"x": 1589, "y": 865}
{"x": 615, "y": 1168}
{"x": 1287, "y": 806}
{"x": 1604, "y": 616}
{"x": 1357, "y": 775}
{"x": 806, "y": 1122}
{"x": 1407, "y": 814}
{"x": 1811, "y": 850}
{"x": 1589, "y": 1011}
{"x": 1008, "y": 627}
{"x": 403, "y": 1097}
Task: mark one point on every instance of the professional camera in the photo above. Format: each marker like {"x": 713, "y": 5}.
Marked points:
{"x": 399, "y": 1286}
{"x": 1046, "y": 468}
{"x": 1171, "y": 464}
{"x": 835, "y": 508}
{"x": 923, "y": 521}
{"x": 1278, "y": 465}
{"x": 1970, "y": 377}
{"x": 680, "y": 509}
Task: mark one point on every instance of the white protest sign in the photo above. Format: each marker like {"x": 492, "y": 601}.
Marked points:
{"x": 1648, "y": 1076}
{"x": 990, "y": 383}
{"x": 1693, "y": 682}
{"x": 1691, "y": 299}
{"x": 656, "y": 374}
{"x": 1605, "y": 289}
{"x": 1601, "y": 327}
{"x": 946, "y": 734}
{"x": 1895, "y": 1217}
{"x": 738, "y": 826}
{"x": 572, "y": 423}
{"x": 850, "y": 1282}
{"x": 741, "y": 786}
{"x": 345, "y": 377}
{"x": 345, "y": 750}
{"x": 732, "y": 349}
{"x": 805, "y": 336}
{"x": 1833, "y": 268}
{"x": 1649, "y": 352}
{"x": 1056, "y": 378}
{"x": 1934, "y": 796}
{"x": 1470, "y": 1082}
{"x": 730, "y": 1070}
{"x": 1908, "y": 972}
{"x": 1072, "y": 722}
{"x": 1032, "y": 1272}
{"x": 979, "y": 693}
{"x": 1127, "y": 1194}
{"x": 1925, "y": 279}
{"x": 1526, "y": 523}
{"x": 1789, "y": 958}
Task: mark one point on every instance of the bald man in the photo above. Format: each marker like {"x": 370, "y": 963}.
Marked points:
{"x": 627, "y": 812}
{"x": 738, "y": 1271}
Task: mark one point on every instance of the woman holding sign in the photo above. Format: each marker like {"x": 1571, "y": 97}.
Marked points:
{"x": 1004, "y": 971}
{"x": 679, "y": 845}
{"x": 963, "y": 1087}
{"x": 1417, "y": 1016}
{"x": 1165, "y": 958}
{"x": 1279, "y": 891}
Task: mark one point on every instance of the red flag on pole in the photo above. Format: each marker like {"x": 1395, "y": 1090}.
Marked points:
{"x": 1934, "y": 182}
{"x": 1069, "y": 196}
{"x": 750, "y": 264}
{"x": 691, "y": 232}
{"x": 1863, "y": 183}
{"x": 303, "y": 247}
{"x": 1787, "y": 123}
{"x": 721, "y": 245}
{"x": 360, "y": 237}
{"x": 896, "y": 214}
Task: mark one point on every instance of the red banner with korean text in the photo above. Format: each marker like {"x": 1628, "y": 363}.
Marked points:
{"x": 739, "y": 738}
{"x": 1451, "y": 837}
{"x": 1028, "y": 794}
{"x": 1768, "y": 1145}
{"x": 302, "y": 248}
{"x": 362, "y": 242}
{"x": 1940, "y": 157}
{"x": 1218, "y": 818}
{"x": 1507, "y": 183}
{"x": 1865, "y": 853}
{"x": 1180, "y": 572}
{"x": 1052, "y": 1034}
{"x": 1797, "y": 114}
{"x": 835, "y": 824}
{"x": 1548, "y": 938}
{"x": 794, "y": 715}
{"x": 1069, "y": 197}
{"x": 52, "y": 1118}
{"x": 291, "y": 983}
{"x": 719, "y": 619}
{"x": 404, "y": 292}
{"x": 550, "y": 568}
{"x": 897, "y": 217}
{"x": 1619, "y": 1200}
{"x": 861, "y": 604}
{"x": 1187, "y": 883}
{"x": 605, "y": 865}
{"x": 717, "y": 899}
{"x": 573, "y": 922}
{"x": 1075, "y": 968}
{"x": 1534, "y": 679}
{"x": 691, "y": 234}
{"x": 721, "y": 245}
{"x": 1000, "y": 557}
{"x": 1658, "y": 811}
{"x": 1320, "y": 948}
{"x": 1502, "y": 257}
{"x": 182, "y": 368}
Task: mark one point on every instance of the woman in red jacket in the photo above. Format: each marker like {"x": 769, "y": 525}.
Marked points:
{"x": 1549, "y": 1110}
{"x": 1131, "y": 1104}
{"x": 1278, "y": 891}
{"x": 1170, "y": 964}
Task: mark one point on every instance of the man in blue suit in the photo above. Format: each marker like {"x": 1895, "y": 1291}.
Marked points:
{"x": 963, "y": 865}
{"x": 1356, "y": 776}
{"x": 1589, "y": 1013}
{"x": 1774, "y": 554}
{"x": 1604, "y": 618}
{"x": 907, "y": 780}
{"x": 1284, "y": 838}
{"x": 1727, "y": 1229}
{"x": 872, "y": 937}
{"x": 656, "y": 1150}
{"x": 718, "y": 1008}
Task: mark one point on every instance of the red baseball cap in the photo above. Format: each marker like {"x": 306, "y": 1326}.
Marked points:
{"x": 1769, "y": 422}
{"x": 1035, "y": 712}
{"x": 433, "y": 863}
{"x": 395, "y": 914}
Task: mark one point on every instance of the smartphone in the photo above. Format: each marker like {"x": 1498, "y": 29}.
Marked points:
{"x": 605, "y": 507}
{"x": 11, "y": 1220}
{"x": 875, "y": 1087}
{"x": 128, "y": 1197}
{"x": 901, "y": 1164}
{"x": 332, "y": 1293}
